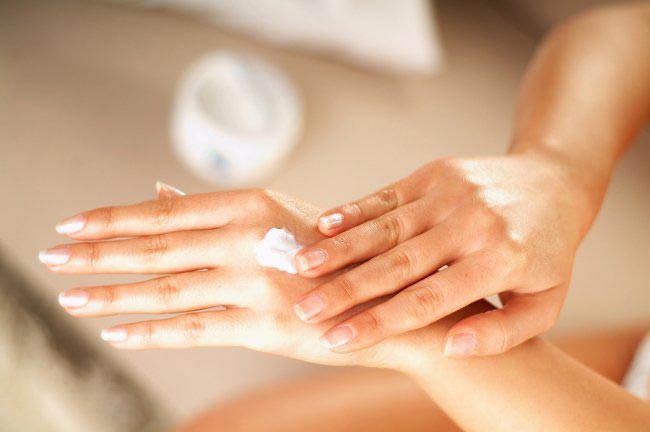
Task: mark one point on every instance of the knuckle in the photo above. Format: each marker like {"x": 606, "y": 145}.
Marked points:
{"x": 354, "y": 209}
{"x": 513, "y": 254}
{"x": 393, "y": 227}
{"x": 342, "y": 289}
{"x": 162, "y": 212}
{"x": 192, "y": 327}
{"x": 94, "y": 254}
{"x": 403, "y": 261}
{"x": 259, "y": 200}
{"x": 155, "y": 246}
{"x": 147, "y": 332}
{"x": 502, "y": 340}
{"x": 108, "y": 298}
{"x": 388, "y": 198}
{"x": 106, "y": 217}
{"x": 427, "y": 299}
{"x": 340, "y": 243}
{"x": 372, "y": 321}
{"x": 168, "y": 290}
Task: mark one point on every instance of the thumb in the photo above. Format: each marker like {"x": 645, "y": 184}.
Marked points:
{"x": 165, "y": 191}
{"x": 522, "y": 317}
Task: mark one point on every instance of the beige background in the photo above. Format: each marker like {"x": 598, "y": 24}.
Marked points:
{"x": 85, "y": 93}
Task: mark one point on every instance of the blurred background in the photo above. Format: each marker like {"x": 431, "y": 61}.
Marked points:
{"x": 96, "y": 104}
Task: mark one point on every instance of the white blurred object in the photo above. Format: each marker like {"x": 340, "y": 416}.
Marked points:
{"x": 383, "y": 34}
{"x": 235, "y": 119}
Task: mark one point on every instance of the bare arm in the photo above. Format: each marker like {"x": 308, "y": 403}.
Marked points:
{"x": 585, "y": 97}
{"x": 533, "y": 387}
{"x": 586, "y": 94}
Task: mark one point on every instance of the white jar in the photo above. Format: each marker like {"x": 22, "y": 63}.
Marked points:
{"x": 235, "y": 118}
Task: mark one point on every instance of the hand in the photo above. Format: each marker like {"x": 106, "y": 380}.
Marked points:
{"x": 203, "y": 243}
{"x": 508, "y": 225}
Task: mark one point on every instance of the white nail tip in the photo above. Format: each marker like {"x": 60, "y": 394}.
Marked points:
{"x": 114, "y": 335}
{"x": 53, "y": 258}
{"x": 69, "y": 228}
{"x": 333, "y": 220}
{"x": 72, "y": 300}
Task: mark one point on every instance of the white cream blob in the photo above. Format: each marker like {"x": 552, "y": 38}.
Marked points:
{"x": 277, "y": 249}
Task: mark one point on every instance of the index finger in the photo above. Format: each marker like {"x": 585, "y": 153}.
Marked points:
{"x": 341, "y": 218}
{"x": 192, "y": 212}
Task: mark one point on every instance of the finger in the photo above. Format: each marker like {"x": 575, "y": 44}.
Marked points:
{"x": 369, "y": 207}
{"x": 522, "y": 317}
{"x": 192, "y": 212}
{"x": 157, "y": 254}
{"x": 473, "y": 278}
{"x": 368, "y": 239}
{"x": 165, "y": 191}
{"x": 169, "y": 294}
{"x": 230, "y": 327}
{"x": 386, "y": 273}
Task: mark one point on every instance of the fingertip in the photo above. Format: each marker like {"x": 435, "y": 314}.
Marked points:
{"x": 309, "y": 259}
{"x": 71, "y": 226}
{"x": 489, "y": 332}
{"x": 330, "y": 223}
{"x": 114, "y": 334}
{"x": 461, "y": 345}
{"x": 309, "y": 307}
{"x": 337, "y": 338}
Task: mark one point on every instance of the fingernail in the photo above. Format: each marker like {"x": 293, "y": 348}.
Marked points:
{"x": 162, "y": 187}
{"x": 338, "y": 336}
{"x": 54, "y": 256}
{"x": 309, "y": 307}
{"x": 310, "y": 259}
{"x": 74, "y": 298}
{"x": 71, "y": 225}
{"x": 116, "y": 334}
{"x": 460, "y": 345}
{"x": 332, "y": 220}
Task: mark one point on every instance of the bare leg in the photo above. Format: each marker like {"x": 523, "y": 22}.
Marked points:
{"x": 363, "y": 399}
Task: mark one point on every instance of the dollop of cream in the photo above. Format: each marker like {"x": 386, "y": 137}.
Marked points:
{"x": 277, "y": 249}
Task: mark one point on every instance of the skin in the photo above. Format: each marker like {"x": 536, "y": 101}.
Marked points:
{"x": 506, "y": 225}
{"x": 204, "y": 245}
{"x": 382, "y": 400}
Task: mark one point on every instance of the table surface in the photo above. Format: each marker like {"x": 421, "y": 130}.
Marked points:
{"x": 85, "y": 95}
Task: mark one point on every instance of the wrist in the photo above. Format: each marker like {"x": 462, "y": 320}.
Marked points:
{"x": 583, "y": 179}
{"x": 420, "y": 352}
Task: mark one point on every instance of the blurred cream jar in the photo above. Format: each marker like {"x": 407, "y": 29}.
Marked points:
{"x": 235, "y": 118}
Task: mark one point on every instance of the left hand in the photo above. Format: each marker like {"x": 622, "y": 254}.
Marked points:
{"x": 503, "y": 225}
{"x": 202, "y": 246}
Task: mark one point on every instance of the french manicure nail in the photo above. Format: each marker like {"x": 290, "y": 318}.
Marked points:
{"x": 332, "y": 220}
{"x": 71, "y": 225}
{"x": 461, "y": 345}
{"x": 338, "y": 336}
{"x": 309, "y": 307}
{"x": 74, "y": 298}
{"x": 54, "y": 256}
{"x": 115, "y": 334}
{"x": 310, "y": 259}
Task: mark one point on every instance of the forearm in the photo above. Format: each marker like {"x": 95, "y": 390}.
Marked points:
{"x": 534, "y": 386}
{"x": 586, "y": 94}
